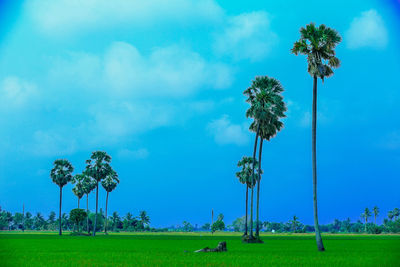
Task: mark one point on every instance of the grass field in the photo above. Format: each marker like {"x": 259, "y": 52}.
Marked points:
{"x": 169, "y": 249}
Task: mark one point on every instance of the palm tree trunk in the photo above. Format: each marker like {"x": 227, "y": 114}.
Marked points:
{"x": 375, "y": 219}
{"x": 247, "y": 206}
{"x": 105, "y": 224}
{"x": 252, "y": 188}
{"x": 318, "y": 238}
{"x": 78, "y": 202}
{"x": 87, "y": 213}
{"x": 97, "y": 205}
{"x": 258, "y": 188}
{"x": 59, "y": 229}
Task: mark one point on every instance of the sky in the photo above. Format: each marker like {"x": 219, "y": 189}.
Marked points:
{"x": 159, "y": 87}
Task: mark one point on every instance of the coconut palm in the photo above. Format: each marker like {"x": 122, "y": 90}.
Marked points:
{"x": 109, "y": 184}
{"x": 144, "y": 218}
{"x": 61, "y": 174}
{"x": 98, "y": 167}
{"x": 294, "y": 222}
{"x": 245, "y": 176}
{"x": 376, "y": 213}
{"x": 318, "y": 44}
{"x": 267, "y": 109}
{"x": 365, "y": 215}
{"x": 78, "y": 189}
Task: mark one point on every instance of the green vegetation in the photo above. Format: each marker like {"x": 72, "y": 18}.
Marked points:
{"x": 318, "y": 44}
{"x": 169, "y": 249}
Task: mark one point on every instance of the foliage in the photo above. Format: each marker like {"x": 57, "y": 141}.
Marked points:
{"x": 77, "y": 216}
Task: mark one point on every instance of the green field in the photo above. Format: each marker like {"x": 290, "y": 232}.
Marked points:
{"x": 175, "y": 249}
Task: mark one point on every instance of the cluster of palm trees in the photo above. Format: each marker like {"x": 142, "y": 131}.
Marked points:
{"x": 98, "y": 170}
{"x": 267, "y": 109}
{"x": 394, "y": 214}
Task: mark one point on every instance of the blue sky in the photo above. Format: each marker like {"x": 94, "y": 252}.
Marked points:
{"x": 159, "y": 87}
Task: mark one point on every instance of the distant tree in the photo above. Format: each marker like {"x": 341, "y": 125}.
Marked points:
{"x": 144, "y": 218}
{"x": 376, "y": 213}
{"x": 206, "y": 227}
{"x": 39, "y": 222}
{"x": 115, "y": 220}
{"x": 98, "y": 167}
{"x": 18, "y": 220}
{"x": 28, "y": 220}
{"x": 239, "y": 224}
{"x": 365, "y": 216}
{"x": 396, "y": 213}
{"x": 51, "y": 220}
{"x": 294, "y": 223}
{"x": 218, "y": 226}
{"x": 390, "y": 215}
{"x": 187, "y": 227}
{"x": 109, "y": 184}
{"x": 61, "y": 174}
{"x": 77, "y": 216}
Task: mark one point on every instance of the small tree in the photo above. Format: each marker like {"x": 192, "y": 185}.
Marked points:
{"x": 366, "y": 215}
{"x": 109, "y": 184}
{"x": 77, "y": 216}
{"x": 376, "y": 213}
{"x": 218, "y": 226}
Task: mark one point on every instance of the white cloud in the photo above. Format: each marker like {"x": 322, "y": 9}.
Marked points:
{"x": 247, "y": 36}
{"x": 367, "y": 30}
{"x": 225, "y": 132}
{"x": 141, "y": 153}
{"x": 60, "y": 17}
{"x": 16, "y": 93}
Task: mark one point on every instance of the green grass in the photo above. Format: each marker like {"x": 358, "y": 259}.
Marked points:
{"x": 161, "y": 249}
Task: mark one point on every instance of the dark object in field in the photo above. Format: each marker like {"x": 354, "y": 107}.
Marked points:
{"x": 220, "y": 248}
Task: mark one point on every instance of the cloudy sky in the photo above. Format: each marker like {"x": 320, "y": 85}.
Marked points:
{"x": 159, "y": 87}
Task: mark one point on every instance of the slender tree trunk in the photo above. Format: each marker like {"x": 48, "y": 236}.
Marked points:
{"x": 97, "y": 205}
{"x": 258, "y": 188}
{"x": 318, "y": 238}
{"x": 252, "y": 188}
{"x": 78, "y": 202}
{"x": 375, "y": 219}
{"x": 105, "y": 224}
{"x": 365, "y": 226}
{"x": 59, "y": 230}
{"x": 247, "y": 206}
{"x": 87, "y": 213}
{"x": 23, "y": 217}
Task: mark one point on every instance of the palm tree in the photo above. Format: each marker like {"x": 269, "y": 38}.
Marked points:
{"x": 115, "y": 219}
{"x": 144, "y": 218}
{"x": 61, "y": 174}
{"x": 396, "y": 213}
{"x": 390, "y": 215}
{"x": 88, "y": 185}
{"x": 78, "y": 189}
{"x": 245, "y": 176}
{"x": 294, "y": 222}
{"x": 109, "y": 184}
{"x": 318, "y": 44}
{"x": 365, "y": 215}
{"x": 98, "y": 167}
{"x": 376, "y": 213}
{"x": 267, "y": 108}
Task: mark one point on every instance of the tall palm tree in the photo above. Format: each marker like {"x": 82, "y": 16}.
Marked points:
{"x": 61, "y": 174}
{"x": 88, "y": 185}
{"x": 267, "y": 109}
{"x": 318, "y": 44}
{"x": 366, "y": 214}
{"x": 390, "y": 215}
{"x": 98, "y": 167}
{"x": 109, "y": 184}
{"x": 376, "y": 213}
{"x": 78, "y": 189}
{"x": 245, "y": 176}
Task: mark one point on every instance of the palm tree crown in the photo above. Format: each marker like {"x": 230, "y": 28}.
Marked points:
{"x": 110, "y": 182}
{"x": 245, "y": 175}
{"x": 61, "y": 174}
{"x": 318, "y": 44}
